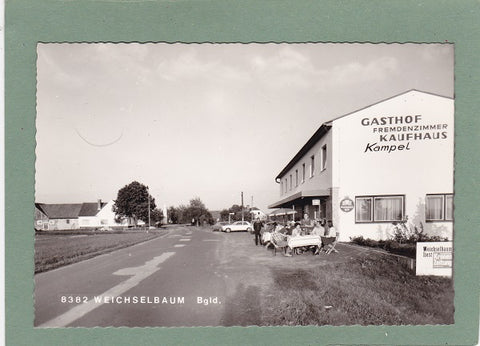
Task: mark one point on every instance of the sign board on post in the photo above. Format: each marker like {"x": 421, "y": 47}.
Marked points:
{"x": 315, "y": 202}
{"x": 434, "y": 258}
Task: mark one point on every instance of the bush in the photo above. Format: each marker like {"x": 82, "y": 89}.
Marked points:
{"x": 403, "y": 242}
{"x": 411, "y": 234}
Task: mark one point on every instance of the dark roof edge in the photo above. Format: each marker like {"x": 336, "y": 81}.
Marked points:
{"x": 388, "y": 98}
{"x": 326, "y": 125}
{"x": 322, "y": 130}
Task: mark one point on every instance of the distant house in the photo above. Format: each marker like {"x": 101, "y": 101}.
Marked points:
{"x": 257, "y": 213}
{"x": 57, "y": 216}
{"x": 88, "y": 216}
{"x": 75, "y": 215}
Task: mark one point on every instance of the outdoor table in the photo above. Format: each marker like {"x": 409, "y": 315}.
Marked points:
{"x": 307, "y": 229}
{"x": 304, "y": 240}
{"x": 266, "y": 237}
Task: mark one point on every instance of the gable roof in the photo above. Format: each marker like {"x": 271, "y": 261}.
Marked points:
{"x": 323, "y": 129}
{"x": 90, "y": 209}
{"x": 69, "y": 210}
{"x": 60, "y": 211}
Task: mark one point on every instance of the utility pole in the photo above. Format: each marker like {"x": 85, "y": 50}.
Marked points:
{"x": 242, "y": 206}
{"x": 148, "y": 209}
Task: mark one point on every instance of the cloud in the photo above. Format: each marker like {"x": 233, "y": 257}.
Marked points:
{"x": 356, "y": 72}
{"x": 432, "y": 52}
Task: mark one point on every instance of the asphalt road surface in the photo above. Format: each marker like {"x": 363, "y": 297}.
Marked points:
{"x": 187, "y": 277}
{"x": 180, "y": 279}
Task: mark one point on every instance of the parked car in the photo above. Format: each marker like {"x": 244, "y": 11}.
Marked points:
{"x": 218, "y": 226}
{"x": 238, "y": 226}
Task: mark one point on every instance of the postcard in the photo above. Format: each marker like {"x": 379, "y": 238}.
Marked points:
{"x": 204, "y": 178}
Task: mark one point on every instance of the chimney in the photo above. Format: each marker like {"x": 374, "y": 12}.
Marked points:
{"x": 99, "y": 204}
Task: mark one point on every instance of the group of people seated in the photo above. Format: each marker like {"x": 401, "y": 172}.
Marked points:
{"x": 320, "y": 228}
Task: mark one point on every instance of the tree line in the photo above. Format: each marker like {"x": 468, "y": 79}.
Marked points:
{"x": 134, "y": 201}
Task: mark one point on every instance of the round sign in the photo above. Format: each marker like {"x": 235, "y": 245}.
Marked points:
{"x": 346, "y": 204}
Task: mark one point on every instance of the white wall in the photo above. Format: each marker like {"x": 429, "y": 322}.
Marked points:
{"x": 321, "y": 178}
{"x": 105, "y": 217}
{"x": 425, "y": 168}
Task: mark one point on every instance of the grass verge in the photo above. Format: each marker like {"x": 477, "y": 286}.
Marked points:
{"x": 372, "y": 290}
{"x": 56, "y": 250}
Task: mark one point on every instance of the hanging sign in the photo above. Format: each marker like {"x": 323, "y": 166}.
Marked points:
{"x": 346, "y": 204}
{"x": 315, "y": 202}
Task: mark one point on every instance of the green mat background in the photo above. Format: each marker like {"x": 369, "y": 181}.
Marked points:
{"x": 32, "y": 21}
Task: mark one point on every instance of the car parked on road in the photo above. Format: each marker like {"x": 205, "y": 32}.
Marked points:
{"x": 218, "y": 226}
{"x": 238, "y": 226}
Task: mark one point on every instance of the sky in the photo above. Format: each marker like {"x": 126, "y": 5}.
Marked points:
{"x": 204, "y": 120}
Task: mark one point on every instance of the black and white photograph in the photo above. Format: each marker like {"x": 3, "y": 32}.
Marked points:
{"x": 259, "y": 184}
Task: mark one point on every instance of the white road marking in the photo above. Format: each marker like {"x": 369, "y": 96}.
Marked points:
{"x": 138, "y": 274}
{"x": 179, "y": 245}
{"x": 211, "y": 239}
{"x": 185, "y": 239}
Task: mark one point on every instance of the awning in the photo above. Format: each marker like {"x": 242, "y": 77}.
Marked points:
{"x": 300, "y": 195}
{"x": 282, "y": 211}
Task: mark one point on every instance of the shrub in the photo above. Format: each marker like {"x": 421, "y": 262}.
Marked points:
{"x": 403, "y": 241}
{"x": 411, "y": 234}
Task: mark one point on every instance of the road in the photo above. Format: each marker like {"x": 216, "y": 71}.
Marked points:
{"x": 185, "y": 278}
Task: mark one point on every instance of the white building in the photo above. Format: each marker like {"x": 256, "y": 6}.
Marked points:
{"x": 258, "y": 214}
{"x": 98, "y": 215}
{"x": 387, "y": 162}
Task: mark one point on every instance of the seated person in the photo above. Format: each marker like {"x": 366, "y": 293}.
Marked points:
{"x": 267, "y": 234}
{"x": 280, "y": 229}
{"x": 297, "y": 231}
{"x": 331, "y": 230}
{"x": 318, "y": 230}
{"x": 326, "y": 229}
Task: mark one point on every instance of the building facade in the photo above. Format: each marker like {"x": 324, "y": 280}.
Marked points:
{"x": 388, "y": 162}
{"x": 67, "y": 216}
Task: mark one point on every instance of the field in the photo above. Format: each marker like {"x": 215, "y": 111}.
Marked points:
{"x": 56, "y": 249}
{"x": 372, "y": 290}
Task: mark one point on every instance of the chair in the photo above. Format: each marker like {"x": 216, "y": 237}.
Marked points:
{"x": 279, "y": 241}
{"x": 328, "y": 244}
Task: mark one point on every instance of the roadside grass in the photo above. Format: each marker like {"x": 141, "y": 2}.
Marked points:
{"x": 373, "y": 290}
{"x": 56, "y": 250}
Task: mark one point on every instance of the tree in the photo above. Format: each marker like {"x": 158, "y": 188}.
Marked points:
{"x": 197, "y": 211}
{"x": 237, "y": 213}
{"x": 156, "y": 217}
{"x": 173, "y": 215}
{"x": 132, "y": 202}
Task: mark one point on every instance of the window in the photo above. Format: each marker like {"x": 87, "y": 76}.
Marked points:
{"x": 324, "y": 157}
{"x": 303, "y": 173}
{"x": 312, "y": 165}
{"x": 439, "y": 207}
{"x": 379, "y": 208}
{"x": 68, "y": 221}
{"x": 291, "y": 182}
{"x": 296, "y": 177}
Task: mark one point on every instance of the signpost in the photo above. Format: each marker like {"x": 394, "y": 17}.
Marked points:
{"x": 434, "y": 258}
